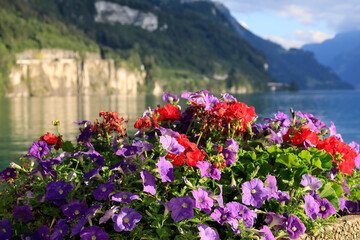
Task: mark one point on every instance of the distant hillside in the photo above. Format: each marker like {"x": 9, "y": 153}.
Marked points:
{"x": 181, "y": 46}
{"x": 342, "y": 53}
{"x": 292, "y": 65}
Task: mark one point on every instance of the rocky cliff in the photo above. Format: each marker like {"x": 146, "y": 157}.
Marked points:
{"x": 58, "y": 72}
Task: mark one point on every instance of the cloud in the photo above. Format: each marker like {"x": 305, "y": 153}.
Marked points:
{"x": 338, "y": 15}
{"x": 298, "y": 38}
{"x": 243, "y": 24}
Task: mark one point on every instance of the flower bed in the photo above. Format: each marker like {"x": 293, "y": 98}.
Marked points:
{"x": 212, "y": 170}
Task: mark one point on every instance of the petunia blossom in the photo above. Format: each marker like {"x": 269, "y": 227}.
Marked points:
{"x": 126, "y": 219}
{"x": 6, "y": 231}
{"x": 266, "y": 233}
{"x": 208, "y": 170}
{"x": 8, "y": 173}
{"x": 310, "y": 182}
{"x": 325, "y": 208}
{"x": 254, "y": 193}
{"x": 276, "y": 221}
{"x": 222, "y": 215}
{"x": 207, "y": 233}
{"x": 295, "y": 227}
{"x": 23, "y": 212}
{"x": 148, "y": 182}
{"x": 39, "y": 149}
{"x": 125, "y": 197}
{"x": 165, "y": 170}
{"x": 103, "y": 191}
{"x": 57, "y": 191}
{"x": 311, "y": 207}
{"x": 171, "y": 145}
{"x": 93, "y": 232}
{"x": 202, "y": 200}
{"x": 181, "y": 208}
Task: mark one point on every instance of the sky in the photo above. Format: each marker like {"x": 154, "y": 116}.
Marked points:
{"x": 293, "y": 23}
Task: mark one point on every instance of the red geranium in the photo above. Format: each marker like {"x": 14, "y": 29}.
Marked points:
{"x": 300, "y": 136}
{"x": 143, "y": 123}
{"x": 343, "y": 154}
{"x": 168, "y": 113}
{"x": 52, "y": 140}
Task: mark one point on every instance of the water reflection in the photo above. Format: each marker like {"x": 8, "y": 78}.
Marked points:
{"x": 23, "y": 120}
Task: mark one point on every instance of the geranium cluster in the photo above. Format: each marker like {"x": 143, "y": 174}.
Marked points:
{"x": 211, "y": 171}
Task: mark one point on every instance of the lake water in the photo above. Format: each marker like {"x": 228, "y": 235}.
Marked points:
{"x": 24, "y": 120}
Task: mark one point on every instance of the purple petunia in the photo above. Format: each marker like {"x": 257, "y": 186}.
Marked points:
{"x": 126, "y": 219}
{"x": 229, "y": 156}
{"x": 125, "y": 197}
{"x": 103, "y": 191}
{"x": 210, "y": 101}
{"x": 240, "y": 211}
{"x": 222, "y": 215}
{"x": 60, "y": 230}
{"x": 181, "y": 208}
{"x": 145, "y": 146}
{"x": 232, "y": 144}
{"x": 8, "y": 173}
{"x": 295, "y": 227}
{"x": 325, "y": 208}
{"x": 193, "y": 96}
{"x": 208, "y": 170}
{"x": 207, "y": 233}
{"x": 276, "y": 221}
{"x": 93, "y": 173}
{"x": 148, "y": 182}
{"x": 23, "y": 212}
{"x": 94, "y": 232}
{"x": 311, "y": 207}
{"x": 170, "y": 98}
{"x": 108, "y": 214}
{"x": 165, "y": 170}
{"x": 57, "y": 191}
{"x": 310, "y": 182}
{"x": 254, "y": 193}
{"x": 228, "y": 97}
{"x": 266, "y": 233}
{"x": 76, "y": 229}
{"x": 270, "y": 186}
{"x": 41, "y": 233}
{"x": 5, "y": 227}
{"x": 171, "y": 145}
{"x": 73, "y": 209}
{"x": 202, "y": 200}
{"x": 39, "y": 149}
{"x": 127, "y": 151}
{"x": 169, "y": 132}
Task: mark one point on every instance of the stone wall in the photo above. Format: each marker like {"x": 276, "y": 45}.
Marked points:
{"x": 52, "y": 72}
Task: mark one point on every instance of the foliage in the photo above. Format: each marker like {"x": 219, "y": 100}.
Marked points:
{"x": 211, "y": 170}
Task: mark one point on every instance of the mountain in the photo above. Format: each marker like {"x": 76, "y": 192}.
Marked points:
{"x": 180, "y": 46}
{"x": 341, "y": 53}
{"x": 293, "y": 65}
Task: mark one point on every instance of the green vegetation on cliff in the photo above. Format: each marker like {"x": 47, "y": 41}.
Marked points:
{"x": 187, "y": 51}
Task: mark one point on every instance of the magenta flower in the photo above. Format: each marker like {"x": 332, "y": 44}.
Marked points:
{"x": 171, "y": 145}
{"x": 92, "y": 233}
{"x": 276, "y": 221}
{"x": 295, "y": 227}
{"x": 202, "y": 200}
{"x": 165, "y": 170}
{"x": 207, "y": 233}
{"x": 126, "y": 219}
{"x": 232, "y": 144}
{"x": 181, "y": 208}
{"x": 39, "y": 149}
{"x": 254, "y": 193}
{"x": 270, "y": 186}
{"x": 73, "y": 209}
{"x": 60, "y": 230}
{"x": 125, "y": 197}
{"x": 5, "y": 227}
{"x": 103, "y": 191}
{"x": 222, "y": 215}
{"x": 325, "y": 208}
{"x": 229, "y": 156}
{"x": 148, "y": 181}
{"x": 266, "y": 233}
{"x": 208, "y": 170}
{"x": 23, "y": 212}
{"x": 170, "y": 98}
{"x": 8, "y": 173}
{"x": 311, "y": 207}
{"x": 108, "y": 214}
{"x": 41, "y": 233}
{"x": 240, "y": 211}
{"x": 310, "y": 182}
{"x": 57, "y": 191}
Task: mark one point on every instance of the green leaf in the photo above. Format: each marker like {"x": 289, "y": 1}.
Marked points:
{"x": 288, "y": 159}
{"x": 68, "y": 147}
{"x": 329, "y": 193}
{"x": 252, "y": 155}
{"x": 273, "y": 149}
{"x": 305, "y": 155}
{"x": 164, "y": 233}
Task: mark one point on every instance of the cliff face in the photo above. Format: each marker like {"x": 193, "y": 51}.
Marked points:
{"x": 59, "y": 73}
